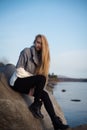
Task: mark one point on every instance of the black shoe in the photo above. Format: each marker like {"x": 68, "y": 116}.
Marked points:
{"x": 57, "y": 123}
{"x": 35, "y": 109}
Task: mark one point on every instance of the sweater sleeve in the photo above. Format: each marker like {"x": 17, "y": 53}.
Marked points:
{"x": 22, "y": 61}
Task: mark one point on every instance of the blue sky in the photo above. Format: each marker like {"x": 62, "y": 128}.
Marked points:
{"x": 63, "y": 22}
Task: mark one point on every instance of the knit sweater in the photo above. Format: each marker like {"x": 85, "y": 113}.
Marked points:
{"x": 26, "y": 66}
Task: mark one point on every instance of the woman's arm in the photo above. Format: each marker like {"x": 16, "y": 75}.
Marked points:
{"x": 22, "y": 61}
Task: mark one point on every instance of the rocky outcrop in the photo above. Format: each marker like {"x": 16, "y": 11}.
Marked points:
{"x": 14, "y": 112}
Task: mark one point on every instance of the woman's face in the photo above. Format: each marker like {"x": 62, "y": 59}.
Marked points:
{"x": 38, "y": 44}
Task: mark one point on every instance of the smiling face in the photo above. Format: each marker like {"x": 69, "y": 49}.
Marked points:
{"x": 38, "y": 44}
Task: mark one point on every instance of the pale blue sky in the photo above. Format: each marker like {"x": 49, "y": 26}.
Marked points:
{"x": 63, "y": 22}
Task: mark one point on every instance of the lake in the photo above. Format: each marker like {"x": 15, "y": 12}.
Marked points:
{"x": 75, "y": 112}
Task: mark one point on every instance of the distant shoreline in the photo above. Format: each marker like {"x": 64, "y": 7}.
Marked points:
{"x": 55, "y": 79}
{"x": 71, "y": 80}
{"x": 52, "y": 81}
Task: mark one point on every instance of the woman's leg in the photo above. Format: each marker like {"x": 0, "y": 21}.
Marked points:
{"x": 23, "y": 85}
{"x": 35, "y": 107}
{"x": 57, "y": 123}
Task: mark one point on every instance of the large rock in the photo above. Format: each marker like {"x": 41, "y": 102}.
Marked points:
{"x": 14, "y": 112}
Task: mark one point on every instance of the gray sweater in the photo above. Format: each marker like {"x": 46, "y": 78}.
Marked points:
{"x": 29, "y": 60}
{"x": 27, "y": 64}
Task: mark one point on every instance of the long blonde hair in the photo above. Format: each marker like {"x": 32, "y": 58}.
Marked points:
{"x": 45, "y": 56}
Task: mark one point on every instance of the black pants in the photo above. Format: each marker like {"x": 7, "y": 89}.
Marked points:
{"x": 23, "y": 85}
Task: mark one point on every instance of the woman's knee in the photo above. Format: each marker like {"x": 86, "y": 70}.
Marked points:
{"x": 41, "y": 78}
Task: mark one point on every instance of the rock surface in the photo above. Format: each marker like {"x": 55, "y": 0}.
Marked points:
{"x": 14, "y": 112}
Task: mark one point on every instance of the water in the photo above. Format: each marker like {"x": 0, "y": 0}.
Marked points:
{"x": 75, "y": 112}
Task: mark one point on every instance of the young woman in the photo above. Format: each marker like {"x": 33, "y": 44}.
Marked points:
{"x": 31, "y": 72}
